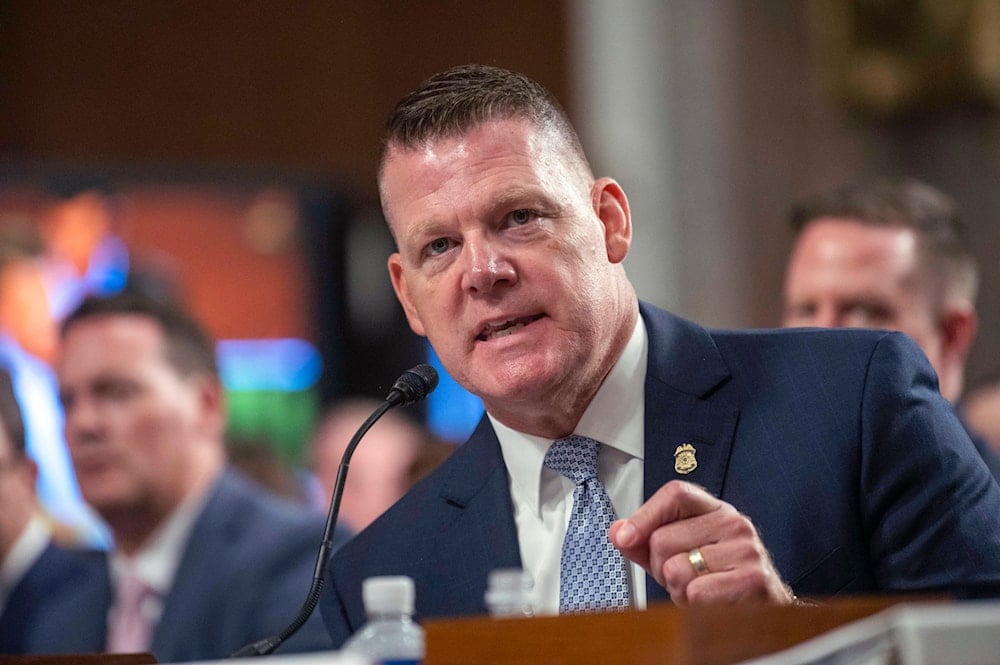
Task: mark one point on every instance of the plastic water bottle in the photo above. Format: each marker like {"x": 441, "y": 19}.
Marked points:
{"x": 390, "y": 636}
{"x": 508, "y": 593}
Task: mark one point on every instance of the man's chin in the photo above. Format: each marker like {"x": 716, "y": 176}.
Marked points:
{"x": 506, "y": 393}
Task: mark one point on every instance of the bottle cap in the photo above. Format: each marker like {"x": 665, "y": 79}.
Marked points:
{"x": 388, "y": 595}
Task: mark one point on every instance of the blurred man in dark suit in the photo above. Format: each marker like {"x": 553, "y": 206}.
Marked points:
{"x": 37, "y": 577}
{"x": 204, "y": 561}
{"x": 890, "y": 254}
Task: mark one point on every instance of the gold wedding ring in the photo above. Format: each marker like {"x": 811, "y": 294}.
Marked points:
{"x": 697, "y": 561}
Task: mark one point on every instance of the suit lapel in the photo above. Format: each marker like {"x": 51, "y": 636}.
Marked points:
{"x": 61, "y": 606}
{"x": 689, "y": 435}
{"x": 480, "y": 534}
{"x": 209, "y": 542}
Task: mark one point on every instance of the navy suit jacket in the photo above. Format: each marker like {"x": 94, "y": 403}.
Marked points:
{"x": 243, "y": 576}
{"x": 835, "y": 443}
{"x": 55, "y": 590}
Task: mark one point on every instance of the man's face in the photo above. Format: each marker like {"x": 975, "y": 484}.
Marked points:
{"x": 846, "y": 274}
{"x": 507, "y": 262}
{"x": 133, "y": 423}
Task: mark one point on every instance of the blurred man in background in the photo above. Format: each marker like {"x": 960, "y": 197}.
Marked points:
{"x": 393, "y": 455}
{"x": 891, "y": 255}
{"x": 28, "y": 340}
{"x": 204, "y": 561}
{"x": 85, "y": 254}
{"x": 38, "y": 578}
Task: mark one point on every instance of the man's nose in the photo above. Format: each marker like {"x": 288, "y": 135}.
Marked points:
{"x": 486, "y": 267}
{"x": 827, "y": 317}
{"x": 81, "y": 422}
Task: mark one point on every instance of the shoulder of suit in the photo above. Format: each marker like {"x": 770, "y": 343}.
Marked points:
{"x": 244, "y": 505}
{"x": 790, "y": 339}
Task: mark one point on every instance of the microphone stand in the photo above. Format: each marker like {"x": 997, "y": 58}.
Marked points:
{"x": 411, "y": 387}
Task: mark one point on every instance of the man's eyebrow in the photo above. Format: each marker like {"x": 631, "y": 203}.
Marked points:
{"x": 518, "y": 194}
{"x": 429, "y": 227}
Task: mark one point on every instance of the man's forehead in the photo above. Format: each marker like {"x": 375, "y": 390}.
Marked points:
{"x": 505, "y": 130}
{"x": 898, "y": 233}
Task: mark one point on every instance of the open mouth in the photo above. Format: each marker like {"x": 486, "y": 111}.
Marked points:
{"x": 505, "y": 328}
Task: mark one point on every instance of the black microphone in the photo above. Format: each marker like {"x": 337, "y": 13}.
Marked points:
{"x": 412, "y": 386}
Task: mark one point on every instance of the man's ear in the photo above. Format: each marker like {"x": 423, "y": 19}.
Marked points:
{"x": 403, "y": 293}
{"x": 32, "y": 468}
{"x": 212, "y": 398}
{"x": 611, "y": 206}
{"x": 959, "y": 325}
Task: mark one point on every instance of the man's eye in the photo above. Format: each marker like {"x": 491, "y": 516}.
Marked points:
{"x": 872, "y": 315}
{"x": 438, "y": 246}
{"x": 521, "y": 217}
{"x": 799, "y": 313}
{"x": 115, "y": 392}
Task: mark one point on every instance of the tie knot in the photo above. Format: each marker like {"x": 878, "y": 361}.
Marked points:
{"x": 134, "y": 596}
{"x": 133, "y": 589}
{"x": 575, "y": 457}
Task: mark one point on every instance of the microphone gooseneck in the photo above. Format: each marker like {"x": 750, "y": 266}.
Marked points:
{"x": 412, "y": 386}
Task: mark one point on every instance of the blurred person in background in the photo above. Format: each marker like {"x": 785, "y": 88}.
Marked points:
{"x": 889, "y": 254}
{"x": 257, "y": 458}
{"x": 80, "y": 226}
{"x": 980, "y": 409}
{"x": 38, "y": 577}
{"x": 28, "y": 341}
{"x": 204, "y": 560}
{"x": 394, "y": 454}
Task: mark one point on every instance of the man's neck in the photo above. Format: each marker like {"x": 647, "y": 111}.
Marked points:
{"x": 559, "y": 414}
{"x": 134, "y": 526}
{"x": 10, "y": 534}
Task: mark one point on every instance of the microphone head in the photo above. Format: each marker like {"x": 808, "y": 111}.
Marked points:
{"x": 413, "y": 385}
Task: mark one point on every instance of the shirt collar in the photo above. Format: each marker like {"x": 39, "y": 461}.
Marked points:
{"x": 614, "y": 417}
{"x": 157, "y": 561}
{"x": 26, "y": 550}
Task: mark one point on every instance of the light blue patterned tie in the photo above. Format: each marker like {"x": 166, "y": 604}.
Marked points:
{"x": 592, "y": 572}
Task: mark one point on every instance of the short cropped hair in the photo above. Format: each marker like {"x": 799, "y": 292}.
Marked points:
{"x": 451, "y": 103}
{"x": 908, "y": 203}
{"x": 10, "y": 413}
{"x": 188, "y": 347}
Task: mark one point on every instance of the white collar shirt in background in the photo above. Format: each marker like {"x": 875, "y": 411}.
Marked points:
{"x": 157, "y": 561}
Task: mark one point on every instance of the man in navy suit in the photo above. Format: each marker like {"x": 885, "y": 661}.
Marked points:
{"x": 889, "y": 254}
{"x": 754, "y": 465}
{"x": 36, "y": 575}
{"x": 214, "y": 560}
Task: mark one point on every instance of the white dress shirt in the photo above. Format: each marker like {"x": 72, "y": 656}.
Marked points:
{"x": 543, "y": 499}
{"x": 157, "y": 561}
